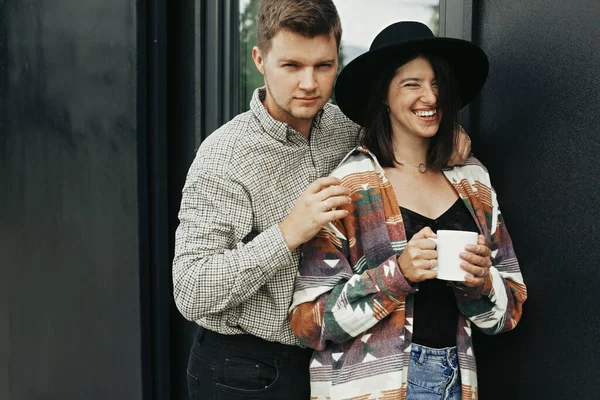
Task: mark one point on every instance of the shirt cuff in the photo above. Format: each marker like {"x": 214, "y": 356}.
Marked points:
{"x": 270, "y": 251}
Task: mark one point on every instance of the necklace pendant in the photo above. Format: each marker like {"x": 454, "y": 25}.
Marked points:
{"x": 422, "y": 168}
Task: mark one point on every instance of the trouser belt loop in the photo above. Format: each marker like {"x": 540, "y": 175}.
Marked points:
{"x": 421, "y": 355}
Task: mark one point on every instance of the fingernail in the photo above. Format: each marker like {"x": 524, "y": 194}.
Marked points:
{"x": 463, "y": 265}
{"x": 462, "y": 254}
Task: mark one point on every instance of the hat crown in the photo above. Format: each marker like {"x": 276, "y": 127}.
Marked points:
{"x": 401, "y": 32}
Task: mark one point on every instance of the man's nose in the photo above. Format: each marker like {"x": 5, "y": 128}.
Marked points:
{"x": 308, "y": 81}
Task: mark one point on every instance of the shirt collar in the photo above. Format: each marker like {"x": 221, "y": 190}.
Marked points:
{"x": 277, "y": 129}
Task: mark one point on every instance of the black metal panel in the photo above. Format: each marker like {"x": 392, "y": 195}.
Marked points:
{"x": 202, "y": 93}
{"x": 69, "y": 207}
{"x": 538, "y": 122}
{"x": 155, "y": 271}
{"x": 220, "y": 20}
{"x": 185, "y": 53}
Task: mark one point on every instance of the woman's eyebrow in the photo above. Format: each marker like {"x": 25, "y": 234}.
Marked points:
{"x": 410, "y": 79}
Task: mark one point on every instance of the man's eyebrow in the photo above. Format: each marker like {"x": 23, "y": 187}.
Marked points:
{"x": 292, "y": 61}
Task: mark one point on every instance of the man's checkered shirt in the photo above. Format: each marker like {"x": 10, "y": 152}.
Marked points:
{"x": 233, "y": 272}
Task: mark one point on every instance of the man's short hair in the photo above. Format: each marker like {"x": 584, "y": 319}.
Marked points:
{"x": 306, "y": 17}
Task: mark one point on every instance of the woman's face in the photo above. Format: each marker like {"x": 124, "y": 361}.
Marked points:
{"x": 412, "y": 98}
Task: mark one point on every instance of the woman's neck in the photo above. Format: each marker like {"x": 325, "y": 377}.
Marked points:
{"x": 410, "y": 148}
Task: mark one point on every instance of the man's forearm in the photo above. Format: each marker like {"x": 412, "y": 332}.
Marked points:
{"x": 208, "y": 281}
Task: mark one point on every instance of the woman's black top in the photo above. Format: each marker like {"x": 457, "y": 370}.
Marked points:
{"x": 435, "y": 309}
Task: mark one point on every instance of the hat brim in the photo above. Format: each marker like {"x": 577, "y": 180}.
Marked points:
{"x": 469, "y": 62}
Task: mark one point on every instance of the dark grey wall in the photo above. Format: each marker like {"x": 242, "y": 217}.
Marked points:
{"x": 69, "y": 205}
{"x": 538, "y": 124}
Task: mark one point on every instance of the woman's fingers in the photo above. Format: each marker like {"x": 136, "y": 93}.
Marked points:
{"x": 423, "y": 234}
{"x": 477, "y": 262}
{"x": 479, "y": 249}
{"x": 472, "y": 281}
{"x": 428, "y": 254}
{"x": 480, "y": 261}
{"x": 427, "y": 274}
{"x": 418, "y": 259}
{"x": 475, "y": 270}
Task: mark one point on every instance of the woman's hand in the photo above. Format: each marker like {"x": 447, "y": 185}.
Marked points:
{"x": 419, "y": 257}
{"x": 477, "y": 263}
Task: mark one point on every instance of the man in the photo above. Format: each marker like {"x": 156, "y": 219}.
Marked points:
{"x": 252, "y": 196}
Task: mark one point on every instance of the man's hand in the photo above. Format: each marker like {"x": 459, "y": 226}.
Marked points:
{"x": 313, "y": 209}
{"x": 463, "y": 148}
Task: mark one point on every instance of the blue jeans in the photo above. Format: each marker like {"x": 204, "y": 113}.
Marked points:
{"x": 433, "y": 374}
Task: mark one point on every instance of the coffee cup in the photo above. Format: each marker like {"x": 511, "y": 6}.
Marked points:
{"x": 449, "y": 245}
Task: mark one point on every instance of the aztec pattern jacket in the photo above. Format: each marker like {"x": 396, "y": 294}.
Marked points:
{"x": 353, "y": 305}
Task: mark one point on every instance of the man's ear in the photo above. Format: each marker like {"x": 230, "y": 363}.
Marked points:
{"x": 259, "y": 60}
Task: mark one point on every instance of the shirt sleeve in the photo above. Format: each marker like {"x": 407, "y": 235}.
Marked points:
{"x": 215, "y": 267}
{"x": 497, "y": 306}
{"x": 331, "y": 302}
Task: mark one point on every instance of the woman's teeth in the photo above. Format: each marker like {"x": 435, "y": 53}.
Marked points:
{"x": 425, "y": 113}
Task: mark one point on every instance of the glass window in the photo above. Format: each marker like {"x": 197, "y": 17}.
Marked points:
{"x": 361, "y": 21}
{"x": 249, "y": 77}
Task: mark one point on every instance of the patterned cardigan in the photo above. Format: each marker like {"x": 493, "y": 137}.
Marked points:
{"x": 353, "y": 305}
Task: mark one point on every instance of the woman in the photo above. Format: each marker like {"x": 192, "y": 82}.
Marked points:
{"x": 366, "y": 298}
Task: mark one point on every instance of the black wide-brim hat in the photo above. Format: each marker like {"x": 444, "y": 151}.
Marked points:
{"x": 401, "y": 41}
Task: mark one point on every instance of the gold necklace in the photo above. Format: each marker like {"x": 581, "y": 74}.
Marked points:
{"x": 422, "y": 167}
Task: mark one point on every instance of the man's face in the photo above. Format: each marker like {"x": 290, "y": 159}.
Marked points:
{"x": 299, "y": 73}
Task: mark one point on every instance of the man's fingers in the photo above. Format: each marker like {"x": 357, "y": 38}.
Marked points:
{"x": 335, "y": 202}
{"x": 332, "y": 191}
{"x": 322, "y": 183}
{"x": 466, "y": 151}
{"x": 334, "y": 215}
{"x": 462, "y": 149}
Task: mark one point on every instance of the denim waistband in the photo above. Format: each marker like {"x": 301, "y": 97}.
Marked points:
{"x": 447, "y": 355}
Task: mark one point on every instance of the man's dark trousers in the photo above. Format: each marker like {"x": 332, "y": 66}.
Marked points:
{"x": 236, "y": 367}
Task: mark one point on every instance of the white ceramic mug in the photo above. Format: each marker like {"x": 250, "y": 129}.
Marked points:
{"x": 449, "y": 246}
